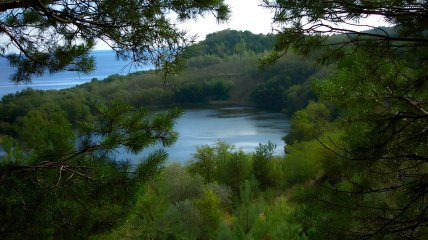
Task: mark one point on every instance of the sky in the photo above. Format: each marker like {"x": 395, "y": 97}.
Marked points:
{"x": 249, "y": 15}
{"x": 245, "y": 15}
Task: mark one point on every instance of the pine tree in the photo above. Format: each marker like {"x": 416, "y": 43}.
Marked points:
{"x": 380, "y": 91}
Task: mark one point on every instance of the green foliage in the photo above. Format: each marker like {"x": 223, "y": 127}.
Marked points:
{"x": 15, "y": 106}
{"x": 234, "y": 169}
{"x": 201, "y": 200}
{"x": 309, "y": 123}
{"x": 378, "y": 163}
{"x": 180, "y": 204}
{"x": 49, "y": 189}
{"x": 204, "y": 163}
{"x": 276, "y": 222}
{"x": 47, "y": 134}
{"x": 208, "y": 205}
{"x": 144, "y": 220}
{"x": 222, "y": 164}
{"x": 178, "y": 185}
{"x": 286, "y": 85}
{"x": 306, "y": 160}
{"x": 359, "y": 171}
{"x": 320, "y": 219}
{"x": 13, "y": 154}
{"x": 196, "y": 92}
{"x": 255, "y": 218}
{"x": 186, "y": 221}
{"x": 202, "y": 60}
{"x": 262, "y": 164}
{"x": 376, "y": 130}
{"x": 176, "y": 205}
{"x": 121, "y": 124}
{"x": 151, "y": 165}
{"x": 230, "y": 42}
{"x": 46, "y": 203}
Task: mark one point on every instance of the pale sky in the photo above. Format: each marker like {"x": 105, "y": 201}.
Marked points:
{"x": 246, "y": 15}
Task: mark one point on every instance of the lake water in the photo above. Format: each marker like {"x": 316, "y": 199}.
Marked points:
{"x": 106, "y": 65}
{"x": 242, "y": 127}
{"x": 245, "y": 128}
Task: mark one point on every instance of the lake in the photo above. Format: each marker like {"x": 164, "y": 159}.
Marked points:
{"x": 106, "y": 65}
{"x": 242, "y": 127}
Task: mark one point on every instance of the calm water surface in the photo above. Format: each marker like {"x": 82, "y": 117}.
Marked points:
{"x": 242, "y": 127}
{"x": 245, "y": 128}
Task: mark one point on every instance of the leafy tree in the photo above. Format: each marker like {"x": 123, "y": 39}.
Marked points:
{"x": 48, "y": 134}
{"x": 53, "y": 36}
{"x": 309, "y": 123}
{"x": 262, "y": 160}
{"x": 270, "y": 94}
{"x": 204, "y": 163}
{"x": 222, "y": 164}
{"x": 209, "y": 208}
{"x": 285, "y": 85}
{"x": 178, "y": 185}
{"x": 186, "y": 221}
{"x": 304, "y": 161}
{"x": 234, "y": 169}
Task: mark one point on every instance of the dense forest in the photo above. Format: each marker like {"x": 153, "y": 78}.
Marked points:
{"x": 41, "y": 123}
{"x": 356, "y": 156}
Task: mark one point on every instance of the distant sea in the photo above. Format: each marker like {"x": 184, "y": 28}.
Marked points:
{"x": 106, "y": 65}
